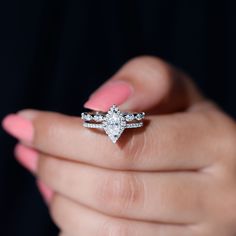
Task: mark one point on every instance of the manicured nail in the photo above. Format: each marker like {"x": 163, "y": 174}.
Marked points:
{"x": 46, "y": 192}
{"x": 27, "y": 157}
{"x": 19, "y": 127}
{"x": 112, "y": 92}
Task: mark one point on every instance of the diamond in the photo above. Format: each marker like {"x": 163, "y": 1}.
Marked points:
{"x": 114, "y": 123}
{"x": 86, "y": 116}
{"x": 129, "y": 117}
{"x": 140, "y": 116}
{"x": 82, "y": 116}
{"x": 98, "y": 118}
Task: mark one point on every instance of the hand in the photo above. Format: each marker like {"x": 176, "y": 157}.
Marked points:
{"x": 174, "y": 177}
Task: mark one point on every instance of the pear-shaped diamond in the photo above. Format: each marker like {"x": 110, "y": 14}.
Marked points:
{"x": 114, "y": 123}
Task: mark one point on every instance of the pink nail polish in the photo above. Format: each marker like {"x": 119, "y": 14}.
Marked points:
{"x": 112, "y": 92}
{"x": 27, "y": 157}
{"x": 46, "y": 192}
{"x": 19, "y": 127}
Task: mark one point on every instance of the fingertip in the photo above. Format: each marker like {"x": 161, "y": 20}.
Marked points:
{"x": 19, "y": 127}
{"x": 5, "y": 121}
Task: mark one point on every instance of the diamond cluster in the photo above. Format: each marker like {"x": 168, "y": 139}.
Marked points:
{"x": 132, "y": 117}
{"x": 114, "y": 123}
{"x": 89, "y": 117}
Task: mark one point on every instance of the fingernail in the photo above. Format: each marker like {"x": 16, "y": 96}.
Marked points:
{"x": 19, "y": 127}
{"x": 46, "y": 192}
{"x": 27, "y": 157}
{"x": 112, "y": 92}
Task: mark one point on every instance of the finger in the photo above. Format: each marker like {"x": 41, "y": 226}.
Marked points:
{"x": 150, "y": 196}
{"x": 71, "y": 217}
{"x": 168, "y": 142}
{"x": 146, "y": 83}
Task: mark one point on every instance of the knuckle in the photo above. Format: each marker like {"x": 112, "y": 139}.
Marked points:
{"x": 115, "y": 228}
{"x": 120, "y": 192}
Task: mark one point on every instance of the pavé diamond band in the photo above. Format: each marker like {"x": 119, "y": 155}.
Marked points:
{"x": 114, "y": 122}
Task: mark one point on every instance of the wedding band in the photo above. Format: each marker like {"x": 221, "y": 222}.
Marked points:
{"x": 114, "y": 122}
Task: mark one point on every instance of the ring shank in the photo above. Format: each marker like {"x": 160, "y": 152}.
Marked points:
{"x": 101, "y": 125}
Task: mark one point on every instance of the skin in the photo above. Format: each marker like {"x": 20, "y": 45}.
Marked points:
{"x": 174, "y": 177}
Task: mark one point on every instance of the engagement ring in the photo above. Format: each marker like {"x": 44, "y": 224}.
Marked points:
{"x": 114, "y": 122}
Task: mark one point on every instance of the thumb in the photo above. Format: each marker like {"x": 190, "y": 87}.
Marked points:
{"x": 146, "y": 84}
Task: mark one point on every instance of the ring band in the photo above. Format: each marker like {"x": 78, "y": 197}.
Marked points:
{"x": 114, "y": 122}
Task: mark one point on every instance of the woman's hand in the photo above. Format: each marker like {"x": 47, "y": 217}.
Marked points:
{"x": 174, "y": 177}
